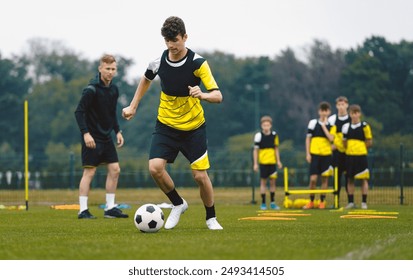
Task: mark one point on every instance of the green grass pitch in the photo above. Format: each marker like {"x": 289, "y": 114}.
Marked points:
{"x": 46, "y": 234}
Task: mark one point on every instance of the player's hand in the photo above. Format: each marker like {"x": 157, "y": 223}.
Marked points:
{"x": 195, "y": 92}
{"x": 128, "y": 113}
{"x": 308, "y": 158}
{"x": 89, "y": 141}
{"x": 280, "y": 165}
{"x": 255, "y": 167}
{"x": 120, "y": 140}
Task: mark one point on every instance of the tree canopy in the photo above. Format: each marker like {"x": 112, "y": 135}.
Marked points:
{"x": 377, "y": 75}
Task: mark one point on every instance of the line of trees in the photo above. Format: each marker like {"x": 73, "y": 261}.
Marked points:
{"x": 377, "y": 75}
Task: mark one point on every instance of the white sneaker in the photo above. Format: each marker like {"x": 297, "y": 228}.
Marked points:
{"x": 175, "y": 214}
{"x": 363, "y": 205}
{"x": 213, "y": 224}
{"x": 350, "y": 206}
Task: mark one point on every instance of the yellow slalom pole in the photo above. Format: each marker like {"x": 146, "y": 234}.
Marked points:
{"x": 335, "y": 187}
{"x": 26, "y": 152}
{"x": 285, "y": 185}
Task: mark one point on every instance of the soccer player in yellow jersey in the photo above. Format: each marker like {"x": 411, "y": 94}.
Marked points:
{"x": 266, "y": 157}
{"x": 357, "y": 138}
{"x": 339, "y": 152}
{"x": 318, "y": 151}
{"x": 180, "y": 125}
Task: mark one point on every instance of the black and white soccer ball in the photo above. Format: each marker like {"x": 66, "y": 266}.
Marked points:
{"x": 149, "y": 218}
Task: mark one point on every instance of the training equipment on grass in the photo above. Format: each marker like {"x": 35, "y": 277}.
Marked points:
{"x": 66, "y": 207}
{"x": 372, "y": 213}
{"x": 288, "y": 203}
{"x": 369, "y": 214}
{"x": 279, "y": 214}
{"x": 149, "y": 218}
{"x": 367, "y": 217}
{"x": 26, "y": 152}
{"x": 267, "y": 219}
{"x": 12, "y": 207}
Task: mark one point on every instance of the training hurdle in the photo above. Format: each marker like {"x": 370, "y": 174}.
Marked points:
{"x": 334, "y": 191}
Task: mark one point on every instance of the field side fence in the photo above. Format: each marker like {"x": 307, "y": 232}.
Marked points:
{"x": 391, "y": 174}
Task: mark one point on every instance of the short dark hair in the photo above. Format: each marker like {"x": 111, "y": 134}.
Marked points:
{"x": 266, "y": 119}
{"x": 354, "y": 108}
{"x": 324, "y": 106}
{"x": 341, "y": 99}
{"x": 172, "y": 27}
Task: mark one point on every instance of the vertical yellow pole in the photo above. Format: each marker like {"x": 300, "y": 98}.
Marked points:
{"x": 26, "y": 152}
{"x": 285, "y": 185}
{"x": 335, "y": 187}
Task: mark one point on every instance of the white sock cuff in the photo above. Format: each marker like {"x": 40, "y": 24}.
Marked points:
{"x": 110, "y": 201}
{"x": 83, "y": 203}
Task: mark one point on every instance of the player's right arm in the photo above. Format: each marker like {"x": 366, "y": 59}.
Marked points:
{"x": 255, "y": 158}
{"x": 307, "y": 148}
{"x": 130, "y": 111}
{"x": 257, "y": 140}
{"x": 80, "y": 114}
{"x": 310, "y": 131}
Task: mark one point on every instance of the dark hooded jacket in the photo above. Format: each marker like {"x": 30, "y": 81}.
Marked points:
{"x": 96, "y": 111}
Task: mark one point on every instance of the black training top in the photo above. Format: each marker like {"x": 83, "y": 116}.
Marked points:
{"x": 96, "y": 111}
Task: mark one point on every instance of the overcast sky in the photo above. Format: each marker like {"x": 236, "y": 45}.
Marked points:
{"x": 131, "y": 28}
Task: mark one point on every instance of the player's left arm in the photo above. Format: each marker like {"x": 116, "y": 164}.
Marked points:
{"x": 213, "y": 95}
{"x": 344, "y": 130}
{"x": 277, "y": 151}
{"x": 119, "y": 139}
{"x": 368, "y": 135}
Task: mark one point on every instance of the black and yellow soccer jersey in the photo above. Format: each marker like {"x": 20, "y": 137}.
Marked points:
{"x": 356, "y": 135}
{"x": 176, "y": 108}
{"x": 266, "y": 145}
{"x": 319, "y": 145}
{"x": 337, "y": 123}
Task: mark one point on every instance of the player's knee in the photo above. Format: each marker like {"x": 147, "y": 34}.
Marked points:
{"x": 200, "y": 175}
{"x": 115, "y": 171}
{"x": 89, "y": 172}
{"x": 155, "y": 169}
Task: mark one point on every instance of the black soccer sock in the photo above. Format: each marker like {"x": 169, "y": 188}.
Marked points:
{"x": 364, "y": 198}
{"x": 210, "y": 212}
{"x": 174, "y": 197}
{"x": 350, "y": 198}
{"x": 272, "y": 196}
{"x": 322, "y": 198}
{"x": 312, "y": 197}
{"x": 263, "y": 198}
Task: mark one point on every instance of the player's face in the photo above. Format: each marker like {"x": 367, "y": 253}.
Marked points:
{"x": 176, "y": 46}
{"x": 342, "y": 108}
{"x": 107, "y": 71}
{"x": 355, "y": 117}
{"x": 324, "y": 114}
{"x": 266, "y": 127}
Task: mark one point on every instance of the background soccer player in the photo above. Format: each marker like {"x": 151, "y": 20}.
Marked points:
{"x": 318, "y": 151}
{"x": 266, "y": 158}
{"x": 357, "y": 138}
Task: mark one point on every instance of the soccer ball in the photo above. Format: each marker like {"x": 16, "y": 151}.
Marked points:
{"x": 149, "y": 218}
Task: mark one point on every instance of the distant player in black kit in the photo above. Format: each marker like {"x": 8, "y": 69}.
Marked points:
{"x": 318, "y": 152}
{"x": 266, "y": 158}
{"x": 339, "y": 151}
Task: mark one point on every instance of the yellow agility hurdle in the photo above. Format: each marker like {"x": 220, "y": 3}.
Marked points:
{"x": 308, "y": 191}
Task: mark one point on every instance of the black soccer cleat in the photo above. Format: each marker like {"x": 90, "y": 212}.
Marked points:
{"x": 115, "y": 213}
{"x": 85, "y": 214}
